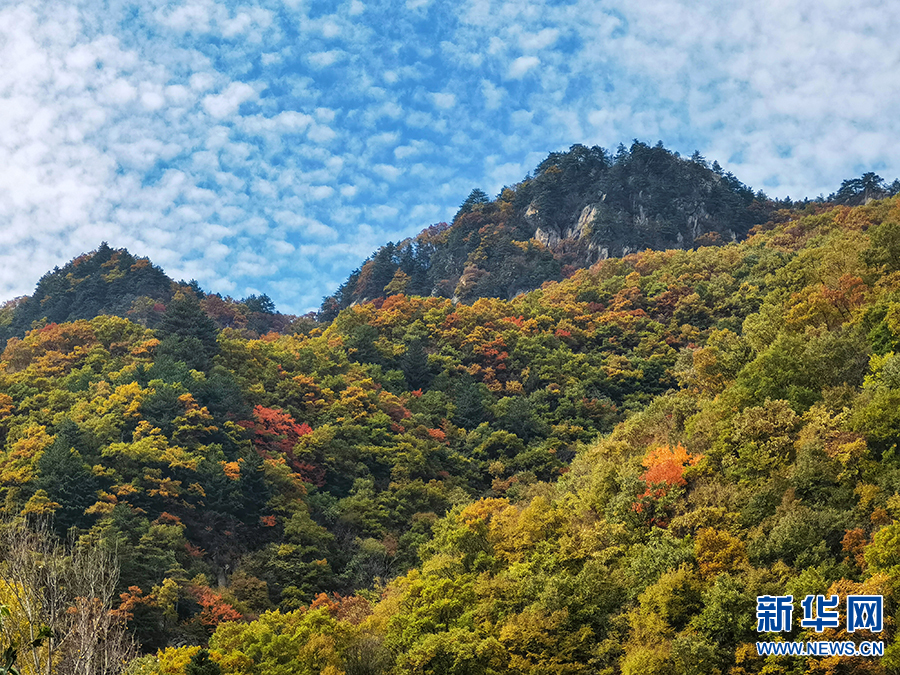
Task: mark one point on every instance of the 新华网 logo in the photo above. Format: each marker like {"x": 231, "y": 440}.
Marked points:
{"x": 775, "y": 613}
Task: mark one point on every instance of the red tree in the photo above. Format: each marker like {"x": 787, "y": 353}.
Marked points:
{"x": 276, "y": 433}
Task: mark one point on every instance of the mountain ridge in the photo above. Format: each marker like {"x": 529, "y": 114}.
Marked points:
{"x": 579, "y": 206}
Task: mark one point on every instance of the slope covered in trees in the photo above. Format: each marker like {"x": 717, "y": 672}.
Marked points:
{"x": 577, "y": 207}
{"x": 597, "y": 476}
{"x": 103, "y": 282}
{"x": 767, "y": 466}
{"x": 113, "y": 282}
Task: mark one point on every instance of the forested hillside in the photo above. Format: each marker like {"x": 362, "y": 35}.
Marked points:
{"x": 116, "y": 283}
{"x": 578, "y": 207}
{"x": 598, "y": 476}
{"x": 767, "y": 466}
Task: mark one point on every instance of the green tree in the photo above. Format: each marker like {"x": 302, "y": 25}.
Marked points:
{"x": 202, "y": 664}
{"x": 414, "y": 364}
{"x": 189, "y": 335}
{"x": 854, "y": 191}
{"x": 477, "y": 198}
{"x": 470, "y": 404}
{"x": 64, "y": 476}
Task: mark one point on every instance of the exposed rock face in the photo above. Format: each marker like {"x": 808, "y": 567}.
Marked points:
{"x": 551, "y": 236}
{"x": 580, "y": 234}
{"x": 599, "y": 232}
{"x": 583, "y": 227}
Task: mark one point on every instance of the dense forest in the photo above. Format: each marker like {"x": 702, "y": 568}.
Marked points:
{"x": 116, "y": 283}
{"x": 596, "y": 476}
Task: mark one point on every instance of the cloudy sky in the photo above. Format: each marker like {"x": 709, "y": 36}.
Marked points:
{"x": 271, "y": 145}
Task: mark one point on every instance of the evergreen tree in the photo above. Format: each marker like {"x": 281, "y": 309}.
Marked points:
{"x": 414, "y": 364}
{"x": 189, "y": 335}
{"x": 201, "y": 664}
{"x": 162, "y": 406}
{"x": 854, "y": 191}
{"x": 470, "y": 408}
{"x": 254, "y": 490}
{"x": 477, "y": 198}
{"x": 361, "y": 344}
{"x": 65, "y": 477}
{"x": 259, "y": 303}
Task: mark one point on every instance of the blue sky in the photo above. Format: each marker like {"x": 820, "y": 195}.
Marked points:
{"x": 270, "y": 146}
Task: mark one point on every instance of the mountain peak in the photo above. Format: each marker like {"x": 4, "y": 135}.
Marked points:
{"x": 578, "y": 207}
{"x": 116, "y": 282}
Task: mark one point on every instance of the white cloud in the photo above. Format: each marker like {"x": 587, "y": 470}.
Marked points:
{"x": 228, "y": 102}
{"x": 202, "y": 81}
{"x": 289, "y": 121}
{"x": 325, "y": 115}
{"x": 178, "y": 94}
{"x": 325, "y": 59}
{"x": 239, "y": 24}
{"x": 444, "y": 100}
{"x": 412, "y": 148}
{"x": 330, "y": 29}
{"x": 282, "y": 247}
{"x": 189, "y": 17}
{"x": 493, "y": 95}
{"x": 383, "y": 212}
{"x": 310, "y": 227}
{"x": 117, "y": 92}
{"x": 423, "y": 213}
{"x": 321, "y": 133}
{"x": 387, "y": 172}
{"x": 540, "y": 40}
{"x": 153, "y": 100}
{"x": 521, "y": 118}
{"x": 522, "y": 65}
{"x": 319, "y": 192}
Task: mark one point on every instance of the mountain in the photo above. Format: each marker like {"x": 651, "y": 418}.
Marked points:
{"x": 579, "y": 207}
{"x": 599, "y": 475}
{"x": 756, "y": 456}
{"x": 114, "y": 282}
{"x": 105, "y": 281}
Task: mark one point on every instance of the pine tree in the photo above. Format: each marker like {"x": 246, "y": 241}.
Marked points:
{"x": 189, "y": 335}
{"x": 201, "y": 664}
{"x": 477, "y": 198}
{"x": 361, "y": 344}
{"x": 470, "y": 409}
{"x": 65, "y": 477}
{"x": 414, "y": 364}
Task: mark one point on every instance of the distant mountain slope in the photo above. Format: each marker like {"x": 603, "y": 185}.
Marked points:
{"x": 114, "y": 282}
{"x": 105, "y": 281}
{"x": 579, "y": 207}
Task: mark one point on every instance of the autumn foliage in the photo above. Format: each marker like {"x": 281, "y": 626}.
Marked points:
{"x": 596, "y": 477}
{"x": 275, "y": 434}
{"x": 665, "y": 466}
